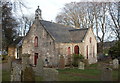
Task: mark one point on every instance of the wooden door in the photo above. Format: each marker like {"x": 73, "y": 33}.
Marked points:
{"x": 76, "y": 49}
{"x": 35, "y": 58}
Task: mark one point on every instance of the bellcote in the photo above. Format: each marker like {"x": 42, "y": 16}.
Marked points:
{"x": 38, "y": 14}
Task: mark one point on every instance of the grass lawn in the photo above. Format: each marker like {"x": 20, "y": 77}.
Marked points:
{"x": 5, "y": 75}
{"x": 91, "y": 73}
{"x": 79, "y": 75}
{"x": 83, "y": 75}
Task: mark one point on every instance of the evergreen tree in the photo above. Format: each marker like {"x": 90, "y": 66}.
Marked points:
{"x": 9, "y": 25}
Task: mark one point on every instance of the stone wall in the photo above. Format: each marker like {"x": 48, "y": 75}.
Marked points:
{"x": 45, "y": 43}
{"x": 11, "y": 51}
{"x": 92, "y": 58}
{"x": 50, "y": 50}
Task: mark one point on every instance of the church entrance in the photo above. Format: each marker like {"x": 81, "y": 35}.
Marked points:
{"x": 35, "y": 58}
{"x": 76, "y": 49}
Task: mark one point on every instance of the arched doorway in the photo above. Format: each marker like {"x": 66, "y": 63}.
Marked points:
{"x": 76, "y": 49}
{"x": 69, "y": 52}
{"x": 35, "y": 58}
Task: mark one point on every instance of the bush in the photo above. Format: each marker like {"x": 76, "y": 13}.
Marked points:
{"x": 4, "y": 57}
{"x": 114, "y": 51}
{"x": 76, "y": 59}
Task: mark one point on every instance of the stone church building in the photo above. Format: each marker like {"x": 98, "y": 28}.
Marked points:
{"x": 51, "y": 40}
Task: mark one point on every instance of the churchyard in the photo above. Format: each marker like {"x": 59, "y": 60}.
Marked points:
{"x": 102, "y": 71}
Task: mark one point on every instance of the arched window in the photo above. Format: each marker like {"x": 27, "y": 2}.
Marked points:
{"x": 69, "y": 52}
{"x": 90, "y": 39}
{"x": 36, "y": 41}
{"x": 93, "y": 52}
{"x": 76, "y": 49}
{"x": 87, "y": 51}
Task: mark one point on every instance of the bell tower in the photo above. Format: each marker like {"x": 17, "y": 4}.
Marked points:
{"x": 38, "y": 14}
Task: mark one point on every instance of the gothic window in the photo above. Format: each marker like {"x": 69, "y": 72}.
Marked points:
{"x": 69, "y": 51}
{"x": 93, "y": 52}
{"x": 36, "y": 41}
{"x": 90, "y": 39}
{"x": 87, "y": 51}
{"x": 76, "y": 49}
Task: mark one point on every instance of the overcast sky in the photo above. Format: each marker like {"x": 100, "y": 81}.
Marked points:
{"x": 50, "y": 8}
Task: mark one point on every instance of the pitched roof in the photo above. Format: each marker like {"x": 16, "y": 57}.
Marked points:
{"x": 17, "y": 42}
{"x": 64, "y": 34}
{"x": 58, "y": 31}
{"x": 78, "y": 34}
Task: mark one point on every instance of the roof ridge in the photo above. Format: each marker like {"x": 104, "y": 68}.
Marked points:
{"x": 59, "y": 24}
{"x": 79, "y": 29}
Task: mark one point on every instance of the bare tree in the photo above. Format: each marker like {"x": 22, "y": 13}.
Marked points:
{"x": 27, "y": 22}
{"x": 114, "y": 11}
{"x": 86, "y": 15}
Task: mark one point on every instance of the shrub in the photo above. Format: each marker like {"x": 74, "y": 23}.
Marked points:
{"x": 114, "y": 51}
{"x": 4, "y": 57}
{"x": 76, "y": 59}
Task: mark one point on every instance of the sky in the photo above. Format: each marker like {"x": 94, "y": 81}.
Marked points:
{"x": 50, "y": 8}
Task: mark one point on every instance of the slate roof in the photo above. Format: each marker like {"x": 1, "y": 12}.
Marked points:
{"x": 59, "y": 32}
{"x": 78, "y": 34}
{"x": 64, "y": 34}
{"x": 17, "y": 42}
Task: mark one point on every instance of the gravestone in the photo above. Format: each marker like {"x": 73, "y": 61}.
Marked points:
{"x": 16, "y": 71}
{"x": 39, "y": 67}
{"x": 81, "y": 65}
{"x": 115, "y": 64}
{"x": 25, "y": 60}
{"x": 28, "y": 74}
{"x": 9, "y": 62}
{"x": 50, "y": 74}
{"x": 106, "y": 74}
{"x": 61, "y": 62}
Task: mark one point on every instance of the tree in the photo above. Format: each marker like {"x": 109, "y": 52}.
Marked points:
{"x": 25, "y": 23}
{"x": 9, "y": 25}
{"x": 114, "y": 11}
{"x": 114, "y": 51}
{"x": 86, "y": 15}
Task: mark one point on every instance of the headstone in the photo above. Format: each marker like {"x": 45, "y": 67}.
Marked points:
{"x": 50, "y": 74}
{"x": 69, "y": 61}
{"x": 16, "y": 71}
{"x": 115, "y": 64}
{"x": 61, "y": 62}
{"x": 106, "y": 74}
{"x": 81, "y": 65}
{"x": 39, "y": 67}
{"x": 28, "y": 74}
{"x": 25, "y": 60}
{"x": 9, "y": 63}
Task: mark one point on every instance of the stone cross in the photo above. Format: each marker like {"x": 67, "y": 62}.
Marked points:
{"x": 16, "y": 71}
{"x": 25, "y": 60}
{"x": 39, "y": 67}
{"x": 61, "y": 62}
{"x": 81, "y": 65}
{"x": 115, "y": 63}
{"x": 9, "y": 63}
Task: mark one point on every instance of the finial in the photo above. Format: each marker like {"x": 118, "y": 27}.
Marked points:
{"x": 38, "y": 7}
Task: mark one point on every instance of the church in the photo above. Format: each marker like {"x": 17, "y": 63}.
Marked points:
{"x": 50, "y": 40}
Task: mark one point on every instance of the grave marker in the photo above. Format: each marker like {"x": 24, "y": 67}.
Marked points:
{"x": 61, "y": 62}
